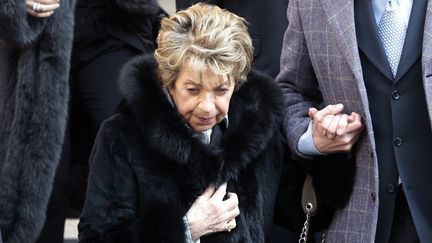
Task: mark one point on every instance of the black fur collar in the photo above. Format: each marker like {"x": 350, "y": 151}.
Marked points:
{"x": 254, "y": 115}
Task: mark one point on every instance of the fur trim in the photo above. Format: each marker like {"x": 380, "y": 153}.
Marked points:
{"x": 33, "y": 111}
{"x": 149, "y": 146}
{"x": 165, "y": 131}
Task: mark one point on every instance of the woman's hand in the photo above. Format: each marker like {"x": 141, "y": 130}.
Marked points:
{"x": 210, "y": 213}
{"x": 42, "y": 8}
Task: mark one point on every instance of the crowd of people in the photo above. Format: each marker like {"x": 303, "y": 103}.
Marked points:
{"x": 208, "y": 125}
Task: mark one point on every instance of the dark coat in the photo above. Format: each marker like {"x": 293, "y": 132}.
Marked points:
{"x": 267, "y": 22}
{"x": 136, "y": 22}
{"x": 147, "y": 168}
{"x": 34, "y": 70}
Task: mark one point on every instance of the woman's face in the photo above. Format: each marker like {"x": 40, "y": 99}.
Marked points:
{"x": 202, "y": 97}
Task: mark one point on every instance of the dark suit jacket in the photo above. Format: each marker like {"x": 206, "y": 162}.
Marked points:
{"x": 397, "y": 104}
{"x": 268, "y": 23}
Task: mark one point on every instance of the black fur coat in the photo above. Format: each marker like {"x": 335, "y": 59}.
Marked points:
{"x": 147, "y": 168}
{"x": 34, "y": 72}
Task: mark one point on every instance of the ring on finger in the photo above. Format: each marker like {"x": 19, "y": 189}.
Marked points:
{"x": 36, "y": 7}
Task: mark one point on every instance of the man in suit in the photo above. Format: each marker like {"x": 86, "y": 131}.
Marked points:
{"x": 357, "y": 77}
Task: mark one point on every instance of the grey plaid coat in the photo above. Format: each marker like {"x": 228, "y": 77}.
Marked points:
{"x": 320, "y": 65}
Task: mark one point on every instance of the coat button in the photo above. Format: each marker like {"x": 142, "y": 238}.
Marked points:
{"x": 390, "y": 188}
{"x": 396, "y": 95}
{"x": 397, "y": 141}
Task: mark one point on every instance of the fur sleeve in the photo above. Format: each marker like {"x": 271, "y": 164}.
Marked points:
{"x": 111, "y": 191}
{"x": 116, "y": 210}
{"x": 17, "y": 27}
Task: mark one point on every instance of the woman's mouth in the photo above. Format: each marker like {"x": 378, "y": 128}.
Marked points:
{"x": 206, "y": 120}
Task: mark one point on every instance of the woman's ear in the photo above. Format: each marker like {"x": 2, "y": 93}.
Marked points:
{"x": 170, "y": 89}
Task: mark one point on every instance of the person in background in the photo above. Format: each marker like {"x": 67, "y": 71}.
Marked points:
{"x": 357, "y": 80}
{"x": 106, "y": 35}
{"x": 35, "y": 45}
{"x": 267, "y": 23}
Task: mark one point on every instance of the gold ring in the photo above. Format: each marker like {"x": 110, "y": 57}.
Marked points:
{"x": 227, "y": 227}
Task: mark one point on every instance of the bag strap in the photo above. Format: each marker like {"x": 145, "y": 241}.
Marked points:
{"x": 309, "y": 206}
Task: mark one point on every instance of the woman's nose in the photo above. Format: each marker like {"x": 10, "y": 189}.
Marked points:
{"x": 207, "y": 104}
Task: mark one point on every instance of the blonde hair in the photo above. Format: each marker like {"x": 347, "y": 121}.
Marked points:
{"x": 205, "y": 37}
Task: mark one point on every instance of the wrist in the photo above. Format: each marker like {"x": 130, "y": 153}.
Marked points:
{"x": 194, "y": 227}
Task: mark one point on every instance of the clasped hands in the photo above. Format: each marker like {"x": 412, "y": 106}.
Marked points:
{"x": 210, "y": 213}
{"x": 334, "y": 131}
{"x": 42, "y": 8}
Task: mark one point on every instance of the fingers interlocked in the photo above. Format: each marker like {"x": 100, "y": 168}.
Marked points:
{"x": 333, "y": 130}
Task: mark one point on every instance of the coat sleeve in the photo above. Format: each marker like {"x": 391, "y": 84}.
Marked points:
{"x": 111, "y": 198}
{"x": 17, "y": 27}
{"x": 115, "y": 210}
{"x": 297, "y": 80}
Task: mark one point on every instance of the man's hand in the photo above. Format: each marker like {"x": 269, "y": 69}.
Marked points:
{"x": 334, "y": 131}
{"x": 42, "y": 8}
{"x": 210, "y": 213}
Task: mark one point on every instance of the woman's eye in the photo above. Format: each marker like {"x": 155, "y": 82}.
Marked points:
{"x": 192, "y": 90}
{"x": 222, "y": 91}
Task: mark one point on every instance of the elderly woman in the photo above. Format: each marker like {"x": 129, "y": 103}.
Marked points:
{"x": 195, "y": 152}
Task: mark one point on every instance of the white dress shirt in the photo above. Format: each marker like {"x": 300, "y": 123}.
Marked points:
{"x": 379, "y": 6}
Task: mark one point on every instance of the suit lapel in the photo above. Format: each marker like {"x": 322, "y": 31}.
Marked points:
{"x": 413, "y": 40}
{"x": 340, "y": 16}
{"x": 427, "y": 58}
{"x": 368, "y": 37}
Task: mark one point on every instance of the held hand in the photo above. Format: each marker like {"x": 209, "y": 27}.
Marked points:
{"x": 333, "y": 131}
{"x": 42, "y": 8}
{"x": 210, "y": 213}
